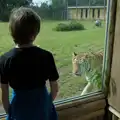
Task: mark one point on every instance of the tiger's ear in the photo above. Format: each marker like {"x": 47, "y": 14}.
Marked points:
{"x": 74, "y": 54}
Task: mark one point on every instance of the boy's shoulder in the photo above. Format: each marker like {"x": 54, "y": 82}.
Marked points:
{"x": 5, "y": 56}
{"x": 9, "y": 54}
{"x": 46, "y": 52}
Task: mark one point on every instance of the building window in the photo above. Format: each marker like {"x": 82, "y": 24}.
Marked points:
{"x": 98, "y": 13}
{"x": 93, "y": 13}
{"x": 81, "y": 13}
{"x": 86, "y": 13}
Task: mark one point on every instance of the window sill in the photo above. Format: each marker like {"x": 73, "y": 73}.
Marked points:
{"x": 88, "y": 107}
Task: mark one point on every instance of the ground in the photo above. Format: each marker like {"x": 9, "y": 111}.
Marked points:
{"x": 62, "y": 45}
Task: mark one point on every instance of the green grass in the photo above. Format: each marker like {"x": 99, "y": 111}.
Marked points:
{"x": 62, "y": 45}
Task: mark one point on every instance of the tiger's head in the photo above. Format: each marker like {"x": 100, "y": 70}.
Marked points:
{"x": 85, "y": 63}
{"x": 79, "y": 64}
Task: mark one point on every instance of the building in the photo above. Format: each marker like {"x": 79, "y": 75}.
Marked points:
{"x": 87, "y": 12}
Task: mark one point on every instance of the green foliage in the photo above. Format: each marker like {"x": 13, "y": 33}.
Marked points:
{"x": 96, "y": 78}
{"x": 44, "y": 10}
{"x": 91, "y": 68}
{"x": 7, "y": 5}
{"x": 72, "y": 26}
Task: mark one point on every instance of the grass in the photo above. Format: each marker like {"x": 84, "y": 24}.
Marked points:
{"x": 62, "y": 45}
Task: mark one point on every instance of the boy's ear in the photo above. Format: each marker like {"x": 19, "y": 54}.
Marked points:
{"x": 74, "y": 54}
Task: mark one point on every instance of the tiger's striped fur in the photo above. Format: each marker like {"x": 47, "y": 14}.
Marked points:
{"x": 85, "y": 64}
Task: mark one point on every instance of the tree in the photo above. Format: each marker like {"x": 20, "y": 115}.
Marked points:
{"x": 45, "y": 10}
{"x": 7, "y": 5}
{"x": 58, "y": 8}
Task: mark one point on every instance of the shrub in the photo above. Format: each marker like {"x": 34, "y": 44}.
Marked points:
{"x": 72, "y": 26}
{"x": 61, "y": 27}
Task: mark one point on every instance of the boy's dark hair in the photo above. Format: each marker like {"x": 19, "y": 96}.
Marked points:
{"x": 24, "y": 23}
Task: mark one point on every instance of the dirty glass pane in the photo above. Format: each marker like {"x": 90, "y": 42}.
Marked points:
{"x": 74, "y": 31}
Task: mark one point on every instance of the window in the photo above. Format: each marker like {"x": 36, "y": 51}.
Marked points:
{"x": 77, "y": 46}
{"x": 98, "y": 13}
{"x": 86, "y": 13}
{"x": 81, "y": 13}
{"x": 93, "y": 13}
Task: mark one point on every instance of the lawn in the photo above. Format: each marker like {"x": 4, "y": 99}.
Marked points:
{"x": 62, "y": 45}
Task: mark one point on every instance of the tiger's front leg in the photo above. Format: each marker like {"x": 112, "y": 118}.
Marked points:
{"x": 88, "y": 88}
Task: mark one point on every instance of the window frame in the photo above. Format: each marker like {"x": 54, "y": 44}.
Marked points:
{"x": 94, "y": 96}
{"x": 104, "y": 68}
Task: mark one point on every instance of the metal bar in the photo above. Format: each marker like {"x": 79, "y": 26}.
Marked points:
{"x": 67, "y": 8}
{"x": 106, "y": 43}
{"x": 77, "y": 9}
{"x": 89, "y": 8}
{"x": 104, "y": 9}
{"x": 58, "y": 102}
{"x": 113, "y": 111}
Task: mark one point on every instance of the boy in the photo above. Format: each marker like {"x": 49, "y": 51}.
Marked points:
{"x": 25, "y": 69}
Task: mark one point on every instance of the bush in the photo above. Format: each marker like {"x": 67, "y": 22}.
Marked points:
{"x": 72, "y": 26}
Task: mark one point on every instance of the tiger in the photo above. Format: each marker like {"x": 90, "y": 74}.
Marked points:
{"x": 88, "y": 65}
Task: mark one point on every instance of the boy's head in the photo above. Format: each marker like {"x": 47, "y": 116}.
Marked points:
{"x": 24, "y": 25}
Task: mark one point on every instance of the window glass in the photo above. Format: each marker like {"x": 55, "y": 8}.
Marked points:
{"x": 77, "y": 45}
